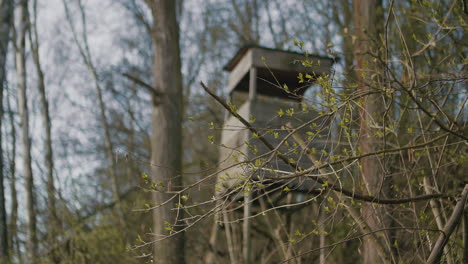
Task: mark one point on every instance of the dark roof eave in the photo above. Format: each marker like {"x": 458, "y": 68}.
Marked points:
{"x": 241, "y": 52}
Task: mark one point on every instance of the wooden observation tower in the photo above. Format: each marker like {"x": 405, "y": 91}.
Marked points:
{"x": 264, "y": 89}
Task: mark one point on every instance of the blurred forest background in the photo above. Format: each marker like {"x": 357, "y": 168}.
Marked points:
{"x": 103, "y": 119}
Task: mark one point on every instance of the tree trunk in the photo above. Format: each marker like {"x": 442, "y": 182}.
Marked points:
{"x": 12, "y": 226}
{"x": 31, "y": 237}
{"x": 465, "y": 235}
{"x": 321, "y": 228}
{"x": 348, "y": 46}
{"x": 6, "y": 10}
{"x": 368, "y": 25}
{"x": 246, "y": 227}
{"x": 53, "y": 225}
{"x": 166, "y": 142}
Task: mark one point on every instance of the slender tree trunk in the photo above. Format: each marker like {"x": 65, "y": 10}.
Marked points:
{"x": 31, "y": 236}
{"x": 166, "y": 142}
{"x": 6, "y": 10}
{"x": 210, "y": 256}
{"x": 12, "y": 226}
{"x": 3, "y": 216}
{"x": 321, "y": 229}
{"x": 229, "y": 240}
{"x": 131, "y": 168}
{"x": 52, "y": 223}
{"x": 348, "y": 47}
{"x": 368, "y": 25}
{"x": 465, "y": 235}
{"x": 246, "y": 230}
{"x": 109, "y": 148}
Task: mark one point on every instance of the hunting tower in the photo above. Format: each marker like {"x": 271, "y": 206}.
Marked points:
{"x": 264, "y": 87}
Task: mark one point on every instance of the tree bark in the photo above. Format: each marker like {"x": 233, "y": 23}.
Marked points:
{"x": 6, "y": 11}
{"x": 368, "y": 25}
{"x": 166, "y": 140}
{"x": 31, "y": 236}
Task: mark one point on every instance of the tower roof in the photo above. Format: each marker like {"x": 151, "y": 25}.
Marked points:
{"x": 275, "y": 68}
{"x": 232, "y": 63}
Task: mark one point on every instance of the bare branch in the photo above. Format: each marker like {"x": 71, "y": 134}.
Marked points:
{"x": 452, "y": 223}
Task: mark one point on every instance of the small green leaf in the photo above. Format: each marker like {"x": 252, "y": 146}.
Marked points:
{"x": 138, "y": 239}
{"x": 145, "y": 178}
{"x": 232, "y": 107}
{"x": 300, "y": 77}
{"x": 280, "y": 112}
{"x": 295, "y": 42}
{"x": 168, "y": 226}
{"x": 258, "y": 163}
{"x": 252, "y": 118}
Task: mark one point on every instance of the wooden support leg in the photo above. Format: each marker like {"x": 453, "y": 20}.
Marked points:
{"x": 247, "y": 242}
